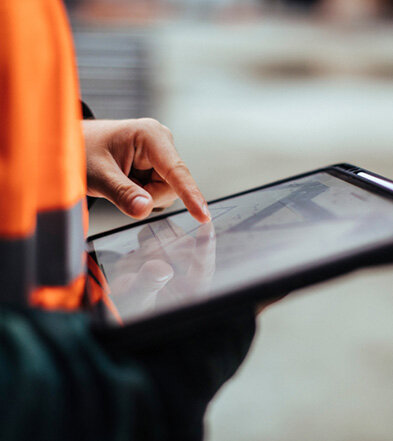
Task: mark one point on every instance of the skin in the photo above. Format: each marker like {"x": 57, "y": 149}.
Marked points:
{"x": 134, "y": 164}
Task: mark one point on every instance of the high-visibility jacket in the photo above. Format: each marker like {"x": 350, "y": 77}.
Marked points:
{"x": 42, "y": 162}
{"x": 57, "y": 381}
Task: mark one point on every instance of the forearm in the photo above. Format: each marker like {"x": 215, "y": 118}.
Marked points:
{"x": 56, "y": 383}
{"x": 190, "y": 367}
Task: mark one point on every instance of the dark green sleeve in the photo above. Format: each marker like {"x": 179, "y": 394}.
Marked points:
{"x": 58, "y": 383}
{"x": 188, "y": 368}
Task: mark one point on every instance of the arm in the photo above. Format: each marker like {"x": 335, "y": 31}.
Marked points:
{"x": 58, "y": 383}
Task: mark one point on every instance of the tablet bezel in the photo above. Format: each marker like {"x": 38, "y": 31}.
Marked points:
{"x": 165, "y": 324}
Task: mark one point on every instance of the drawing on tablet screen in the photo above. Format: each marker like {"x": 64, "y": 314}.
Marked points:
{"x": 299, "y": 207}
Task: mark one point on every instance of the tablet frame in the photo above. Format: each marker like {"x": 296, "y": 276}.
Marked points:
{"x": 155, "y": 329}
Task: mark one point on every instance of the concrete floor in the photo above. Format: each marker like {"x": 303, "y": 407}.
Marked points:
{"x": 252, "y": 104}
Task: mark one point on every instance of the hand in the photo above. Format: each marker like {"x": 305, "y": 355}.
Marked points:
{"x": 134, "y": 164}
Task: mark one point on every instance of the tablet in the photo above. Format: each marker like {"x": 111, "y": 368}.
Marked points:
{"x": 261, "y": 243}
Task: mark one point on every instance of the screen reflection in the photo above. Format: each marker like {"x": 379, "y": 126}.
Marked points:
{"x": 167, "y": 264}
{"x": 262, "y": 235}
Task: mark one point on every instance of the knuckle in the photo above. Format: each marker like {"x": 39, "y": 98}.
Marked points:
{"x": 152, "y": 127}
{"x": 168, "y": 132}
{"x": 149, "y": 122}
{"x": 155, "y": 124}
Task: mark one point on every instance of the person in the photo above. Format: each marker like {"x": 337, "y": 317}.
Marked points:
{"x": 58, "y": 380}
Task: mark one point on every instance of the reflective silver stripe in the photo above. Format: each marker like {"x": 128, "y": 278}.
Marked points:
{"x": 53, "y": 256}
{"x": 59, "y": 246}
{"x": 16, "y": 270}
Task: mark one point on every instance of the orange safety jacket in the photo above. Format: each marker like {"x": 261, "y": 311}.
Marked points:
{"x": 43, "y": 218}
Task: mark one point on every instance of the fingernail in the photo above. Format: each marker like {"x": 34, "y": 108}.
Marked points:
{"x": 205, "y": 210}
{"x": 140, "y": 203}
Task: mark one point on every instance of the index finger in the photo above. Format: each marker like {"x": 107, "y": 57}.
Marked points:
{"x": 173, "y": 170}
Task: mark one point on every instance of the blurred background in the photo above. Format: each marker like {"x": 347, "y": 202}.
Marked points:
{"x": 254, "y": 91}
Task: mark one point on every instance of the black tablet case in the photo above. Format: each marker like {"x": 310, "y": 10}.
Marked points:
{"x": 186, "y": 321}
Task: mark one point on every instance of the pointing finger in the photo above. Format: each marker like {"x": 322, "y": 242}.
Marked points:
{"x": 172, "y": 169}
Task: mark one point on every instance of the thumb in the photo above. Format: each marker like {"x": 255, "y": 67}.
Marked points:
{"x": 128, "y": 196}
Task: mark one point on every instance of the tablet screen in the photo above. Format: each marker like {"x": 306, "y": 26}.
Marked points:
{"x": 173, "y": 262}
